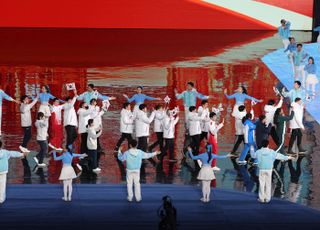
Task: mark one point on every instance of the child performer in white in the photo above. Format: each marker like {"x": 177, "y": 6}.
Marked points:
{"x": 213, "y": 136}
{"x": 206, "y": 174}
{"x": 265, "y": 159}
{"x": 42, "y": 135}
{"x": 133, "y": 158}
{"x": 26, "y": 121}
{"x": 5, "y": 155}
{"x": 92, "y": 144}
{"x": 67, "y": 172}
{"x": 312, "y": 79}
{"x": 169, "y": 124}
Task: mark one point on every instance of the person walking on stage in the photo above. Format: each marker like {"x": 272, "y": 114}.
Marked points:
{"x": 204, "y": 108}
{"x": 67, "y": 172}
{"x": 280, "y": 121}
{"x": 239, "y": 114}
{"x": 42, "y": 138}
{"x": 284, "y": 32}
{"x": 297, "y": 91}
{"x": 194, "y": 127}
{"x": 158, "y": 127}
{"x": 299, "y": 58}
{"x": 265, "y": 158}
{"x": 5, "y": 155}
{"x": 70, "y": 120}
{"x": 206, "y": 174}
{"x": 92, "y": 145}
{"x": 126, "y": 125}
{"x": 26, "y": 120}
{"x": 169, "y": 124}
{"x": 142, "y": 125}
{"x": 133, "y": 158}
{"x": 189, "y": 98}
{"x": 55, "y": 125}
{"x": 312, "y": 79}
{"x": 263, "y": 130}
{"x": 296, "y": 126}
{"x": 83, "y": 117}
{"x": 139, "y": 98}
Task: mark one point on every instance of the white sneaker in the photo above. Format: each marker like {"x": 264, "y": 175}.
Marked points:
{"x": 129, "y": 200}
{"x": 97, "y": 170}
{"x": 65, "y": 199}
{"x": 36, "y": 160}
{"x": 23, "y": 149}
{"x": 215, "y": 168}
{"x": 139, "y": 200}
{"x": 42, "y": 165}
{"x": 203, "y": 200}
{"x": 242, "y": 162}
{"x": 79, "y": 167}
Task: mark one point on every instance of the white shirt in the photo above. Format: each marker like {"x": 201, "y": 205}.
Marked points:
{"x": 25, "y": 110}
{"x": 214, "y": 128}
{"x": 84, "y": 116}
{"x": 297, "y": 121}
{"x": 238, "y": 120}
{"x": 142, "y": 123}
{"x": 269, "y": 112}
{"x": 194, "y": 123}
{"x": 205, "y": 122}
{"x": 158, "y": 124}
{"x": 169, "y": 127}
{"x": 96, "y": 115}
{"x": 42, "y": 129}
{"x": 126, "y": 121}
{"x": 57, "y": 109}
{"x": 70, "y": 115}
{"x": 92, "y": 142}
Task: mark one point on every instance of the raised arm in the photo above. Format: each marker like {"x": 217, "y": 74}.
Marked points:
{"x": 133, "y": 98}
{"x": 57, "y": 158}
{"x": 230, "y": 96}
{"x": 192, "y": 156}
{"x": 6, "y": 96}
{"x": 251, "y": 98}
{"x": 148, "y": 155}
{"x": 150, "y": 98}
{"x": 147, "y": 119}
{"x": 179, "y": 95}
{"x": 9, "y": 154}
{"x": 200, "y": 96}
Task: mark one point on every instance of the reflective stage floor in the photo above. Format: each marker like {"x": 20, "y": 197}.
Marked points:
{"x": 117, "y": 61}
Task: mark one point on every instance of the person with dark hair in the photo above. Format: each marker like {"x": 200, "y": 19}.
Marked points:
{"x": 139, "y": 98}
{"x": 133, "y": 158}
{"x": 142, "y": 125}
{"x": 265, "y": 158}
{"x": 70, "y": 120}
{"x": 92, "y": 144}
{"x": 262, "y": 130}
{"x": 213, "y": 136}
{"x": 158, "y": 127}
{"x": 67, "y": 172}
{"x": 240, "y": 96}
{"x": 169, "y": 123}
{"x": 312, "y": 79}
{"x": 189, "y": 98}
{"x": 249, "y": 137}
{"x": 204, "y": 108}
{"x": 45, "y": 96}
{"x": 299, "y": 58}
{"x": 296, "y": 126}
{"x": 55, "y": 125}
{"x": 206, "y": 174}
{"x": 5, "y": 96}
{"x": 83, "y": 117}
{"x": 126, "y": 125}
{"x": 42, "y": 135}
{"x": 194, "y": 127}
{"x": 297, "y": 91}
{"x": 269, "y": 110}
{"x": 292, "y": 47}
{"x": 26, "y": 120}
{"x": 5, "y": 155}
{"x": 92, "y": 93}
{"x": 280, "y": 123}
{"x": 284, "y": 32}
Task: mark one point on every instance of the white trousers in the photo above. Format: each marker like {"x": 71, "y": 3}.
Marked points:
{"x": 299, "y": 74}
{"x": 0, "y": 119}
{"x": 133, "y": 179}
{"x": 265, "y": 177}
{"x": 186, "y": 114}
{"x": 3, "y": 184}
{"x": 285, "y": 42}
{"x": 290, "y": 56}
{"x": 206, "y": 189}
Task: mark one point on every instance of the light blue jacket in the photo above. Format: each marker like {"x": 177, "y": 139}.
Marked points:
{"x": 293, "y": 94}
{"x": 190, "y": 97}
{"x": 45, "y": 97}
{"x": 241, "y": 97}
{"x": 66, "y": 157}
{"x": 5, "y": 155}
{"x": 87, "y": 96}
{"x": 266, "y": 157}
{"x": 291, "y": 47}
{"x": 139, "y": 98}
{"x": 299, "y": 58}
{"x": 3, "y": 95}
{"x": 134, "y": 157}
{"x": 203, "y": 157}
{"x": 285, "y": 33}
{"x": 310, "y": 68}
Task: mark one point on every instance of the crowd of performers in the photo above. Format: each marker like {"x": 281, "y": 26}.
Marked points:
{"x": 202, "y": 125}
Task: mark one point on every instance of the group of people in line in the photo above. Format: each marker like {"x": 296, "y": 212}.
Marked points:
{"x": 303, "y": 65}
{"x": 201, "y": 123}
